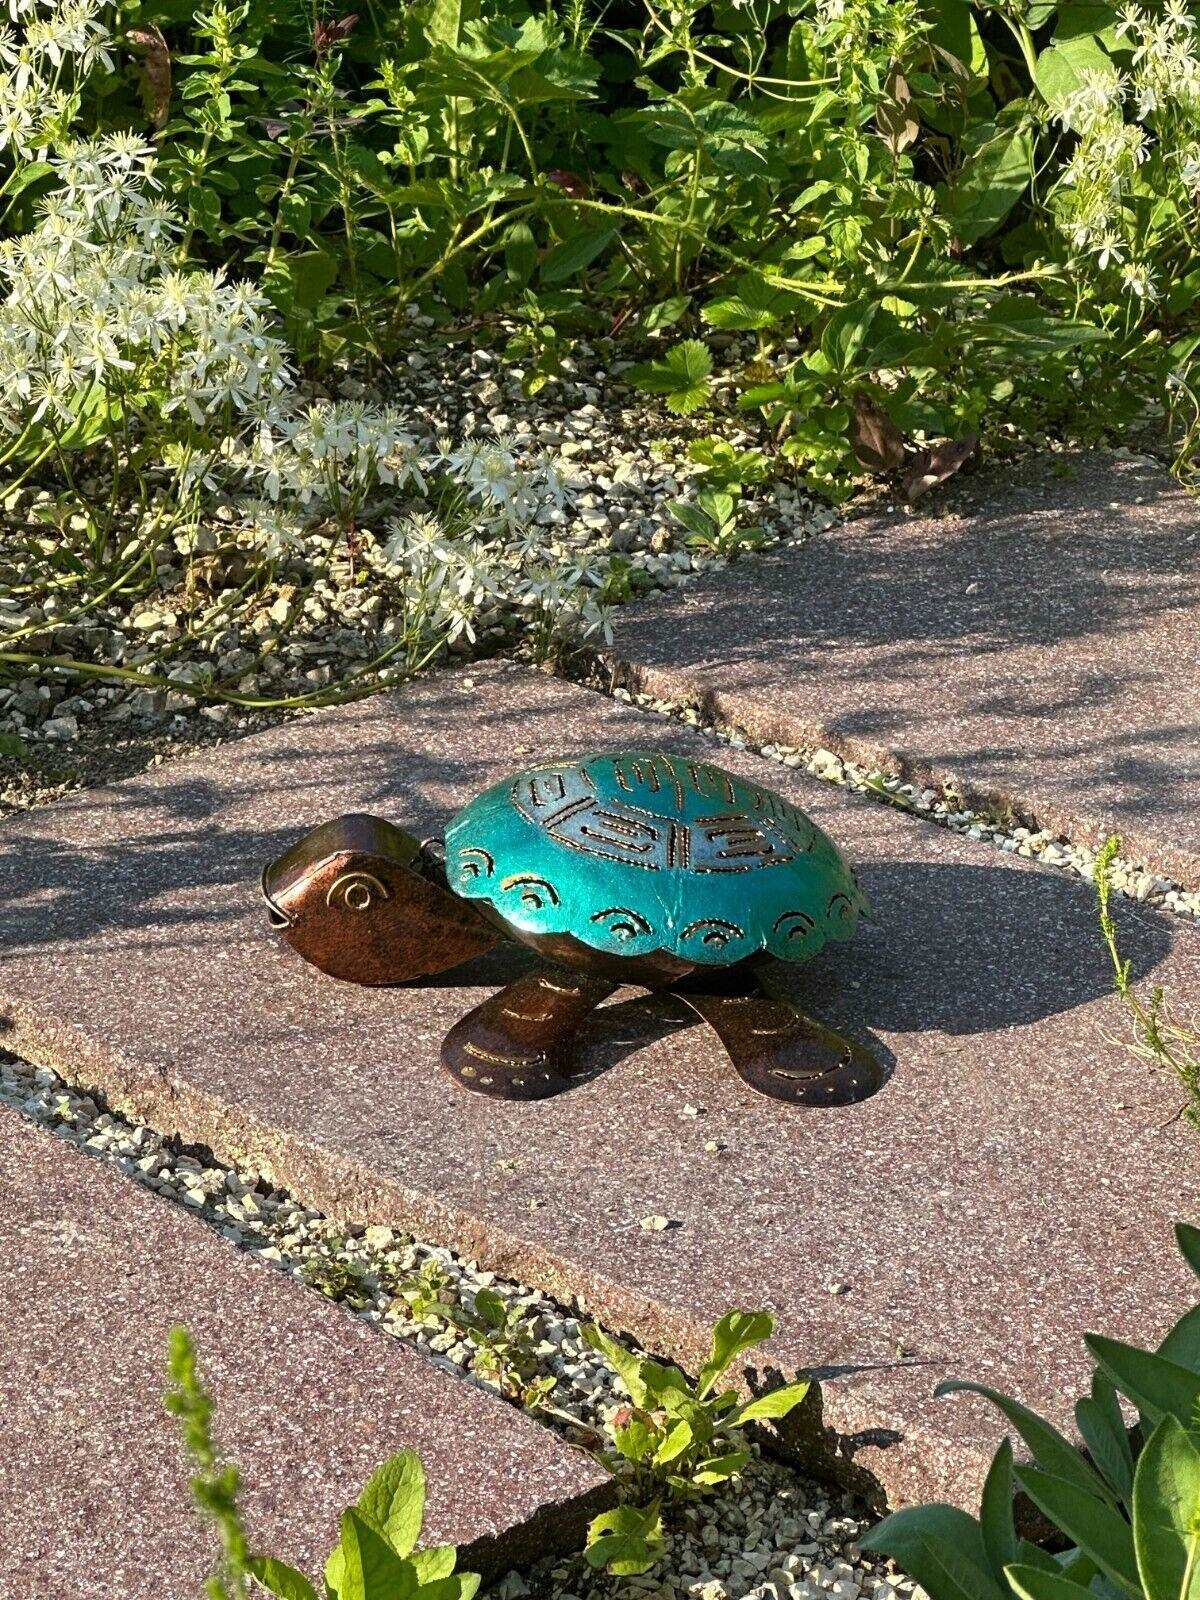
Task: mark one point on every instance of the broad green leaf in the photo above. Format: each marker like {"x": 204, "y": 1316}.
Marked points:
{"x": 955, "y": 30}
{"x": 447, "y": 19}
{"x": 1156, "y": 1385}
{"x": 752, "y": 304}
{"x": 393, "y": 1499}
{"x": 1049, "y": 1448}
{"x": 1099, "y": 1530}
{"x": 1033, "y": 1583}
{"x": 1091, "y": 17}
{"x": 719, "y": 1469}
{"x": 846, "y": 334}
{"x": 462, "y": 1586}
{"x": 941, "y": 1547}
{"x": 300, "y": 281}
{"x": 1188, "y": 1239}
{"x": 520, "y": 252}
{"x": 1166, "y": 1514}
{"x": 491, "y": 1308}
{"x": 575, "y": 253}
{"x": 682, "y": 376}
{"x": 634, "y": 1441}
{"x": 1063, "y": 68}
{"x": 775, "y": 1403}
{"x": 627, "y": 1541}
{"x": 434, "y": 1563}
{"x": 994, "y": 175}
{"x": 996, "y": 1512}
{"x": 626, "y": 1365}
{"x": 676, "y": 1440}
{"x": 372, "y": 1570}
{"x": 663, "y": 314}
{"x": 1102, "y": 1428}
{"x": 281, "y": 1580}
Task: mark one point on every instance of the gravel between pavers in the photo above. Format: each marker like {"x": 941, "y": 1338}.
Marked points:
{"x": 771, "y": 1536}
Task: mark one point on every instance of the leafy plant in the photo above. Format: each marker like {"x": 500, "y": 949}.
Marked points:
{"x": 682, "y": 376}
{"x": 500, "y": 1334}
{"x": 376, "y": 1556}
{"x": 711, "y": 521}
{"x": 1158, "y": 1039}
{"x": 1129, "y": 1508}
{"x": 677, "y": 1437}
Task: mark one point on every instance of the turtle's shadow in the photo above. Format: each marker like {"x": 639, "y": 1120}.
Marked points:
{"x": 953, "y": 948}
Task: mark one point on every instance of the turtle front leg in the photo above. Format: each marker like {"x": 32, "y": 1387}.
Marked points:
{"x": 519, "y": 1044}
{"x": 781, "y": 1052}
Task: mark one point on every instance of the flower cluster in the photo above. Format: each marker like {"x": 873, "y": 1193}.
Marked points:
{"x": 97, "y": 327}
{"x": 1138, "y": 138}
{"x": 487, "y": 540}
{"x": 46, "y": 50}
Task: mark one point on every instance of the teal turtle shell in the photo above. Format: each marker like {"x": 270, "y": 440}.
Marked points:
{"x": 634, "y": 852}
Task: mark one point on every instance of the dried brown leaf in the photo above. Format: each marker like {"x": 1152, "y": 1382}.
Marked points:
{"x": 934, "y": 466}
{"x": 876, "y": 440}
{"x": 153, "y": 70}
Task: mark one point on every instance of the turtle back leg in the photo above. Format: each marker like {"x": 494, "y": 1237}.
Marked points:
{"x": 781, "y": 1052}
{"x": 520, "y": 1043}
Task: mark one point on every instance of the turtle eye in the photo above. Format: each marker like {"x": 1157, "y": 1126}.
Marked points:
{"x": 715, "y": 931}
{"x": 622, "y": 923}
{"x": 535, "y": 892}
{"x": 356, "y": 891}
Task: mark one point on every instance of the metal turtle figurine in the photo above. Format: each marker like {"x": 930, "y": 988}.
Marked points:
{"x": 631, "y": 867}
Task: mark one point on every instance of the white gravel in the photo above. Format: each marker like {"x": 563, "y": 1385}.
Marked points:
{"x": 770, "y": 1536}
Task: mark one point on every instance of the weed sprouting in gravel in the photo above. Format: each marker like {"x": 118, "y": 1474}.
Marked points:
{"x": 1158, "y": 1038}
{"x": 376, "y": 1556}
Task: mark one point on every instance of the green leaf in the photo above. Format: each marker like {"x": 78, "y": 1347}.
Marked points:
{"x": 941, "y": 1547}
{"x": 1188, "y": 1239}
{"x": 1099, "y": 1531}
{"x": 575, "y": 253}
{"x": 1091, "y": 17}
{"x": 1034, "y": 1583}
{"x": 280, "y": 1579}
{"x": 1063, "y": 67}
{"x": 1166, "y": 1514}
{"x": 491, "y": 1308}
{"x": 775, "y": 1403}
{"x": 719, "y": 1469}
{"x": 1049, "y": 1448}
{"x": 434, "y": 1563}
{"x": 634, "y": 1441}
{"x": 682, "y": 376}
{"x": 447, "y": 19}
{"x": 1102, "y": 1428}
{"x": 846, "y": 334}
{"x": 995, "y": 173}
{"x": 663, "y": 314}
{"x": 1156, "y": 1385}
{"x": 996, "y": 1512}
{"x": 460, "y": 1587}
{"x": 627, "y": 1366}
{"x": 676, "y": 1440}
{"x": 737, "y": 1331}
{"x": 754, "y": 303}
{"x": 955, "y": 30}
{"x": 372, "y": 1570}
{"x": 300, "y": 281}
{"x": 393, "y": 1499}
{"x": 627, "y": 1541}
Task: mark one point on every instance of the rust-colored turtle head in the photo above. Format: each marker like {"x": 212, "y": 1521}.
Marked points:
{"x": 363, "y": 901}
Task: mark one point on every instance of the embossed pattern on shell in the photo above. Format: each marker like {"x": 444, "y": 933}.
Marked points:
{"x": 635, "y": 852}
